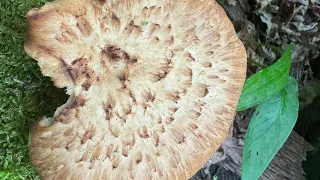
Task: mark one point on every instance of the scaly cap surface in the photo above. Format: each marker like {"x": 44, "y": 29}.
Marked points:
{"x": 153, "y": 86}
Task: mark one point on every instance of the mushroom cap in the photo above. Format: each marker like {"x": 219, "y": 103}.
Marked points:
{"x": 153, "y": 86}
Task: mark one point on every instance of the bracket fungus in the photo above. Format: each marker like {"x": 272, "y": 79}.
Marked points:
{"x": 153, "y": 86}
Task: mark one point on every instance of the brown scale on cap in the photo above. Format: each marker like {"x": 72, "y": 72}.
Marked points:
{"x": 153, "y": 86}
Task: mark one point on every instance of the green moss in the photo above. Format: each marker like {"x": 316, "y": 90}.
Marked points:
{"x": 25, "y": 94}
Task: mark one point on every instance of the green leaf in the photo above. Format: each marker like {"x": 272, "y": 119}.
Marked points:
{"x": 269, "y": 128}
{"x": 143, "y": 23}
{"x": 266, "y": 83}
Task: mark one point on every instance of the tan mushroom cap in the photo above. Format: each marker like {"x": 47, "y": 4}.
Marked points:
{"x": 153, "y": 86}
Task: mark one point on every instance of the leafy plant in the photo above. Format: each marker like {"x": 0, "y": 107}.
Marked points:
{"x": 266, "y": 83}
{"x": 277, "y": 95}
{"x": 269, "y": 128}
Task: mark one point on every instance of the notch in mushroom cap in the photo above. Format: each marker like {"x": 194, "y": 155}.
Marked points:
{"x": 147, "y": 100}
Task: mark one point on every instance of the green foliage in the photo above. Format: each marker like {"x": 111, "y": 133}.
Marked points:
{"x": 277, "y": 95}
{"x": 266, "y": 83}
{"x": 24, "y": 93}
{"x": 143, "y": 23}
{"x": 23, "y": 171}
{"x": 269, "y": 128}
